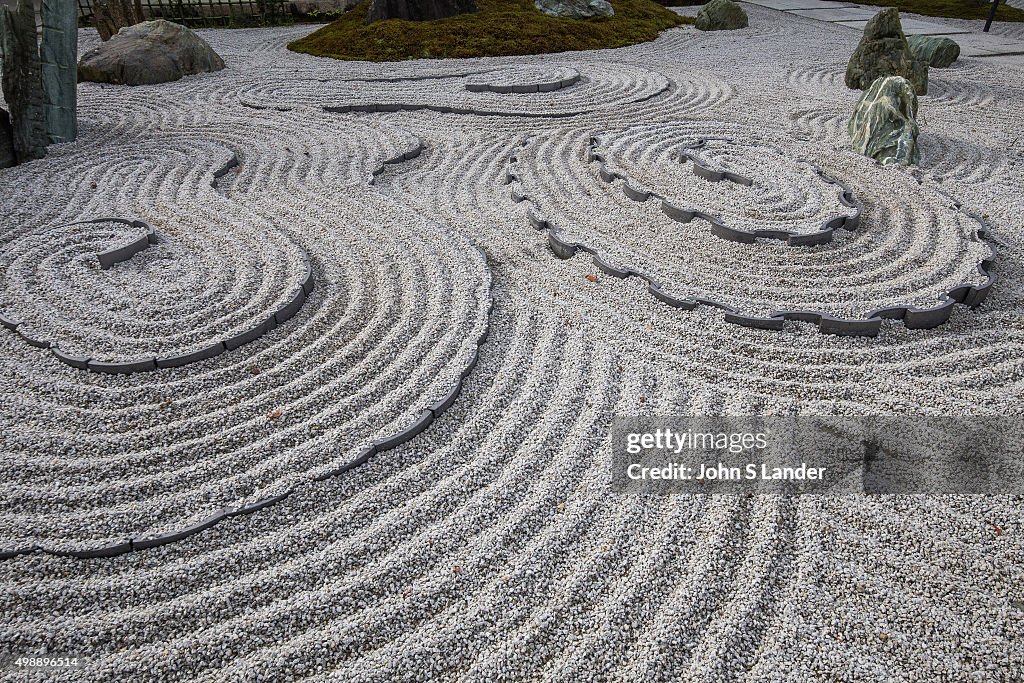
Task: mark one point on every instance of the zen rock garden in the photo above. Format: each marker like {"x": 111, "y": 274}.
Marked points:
{"x": 322, "y": 345}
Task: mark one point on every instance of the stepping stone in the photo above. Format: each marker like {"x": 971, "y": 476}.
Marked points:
{"x": 838, "y": 13}
{"x": 786, "y": 5}
{"x": 911, "y": 27}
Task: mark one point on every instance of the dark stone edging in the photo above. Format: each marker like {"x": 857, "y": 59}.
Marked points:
{"x": 297, "y": 297}
{"x": 636, "y": 192}
{"x": 912, "y": 317}
{"x": 223, "y": 170}
{"x": 543, "y": 86}
{"x": 407, "y": 155}
{"x": 423, "y": 421}
{"x": 118, "y": 254}
{"x": 382, "y": 108}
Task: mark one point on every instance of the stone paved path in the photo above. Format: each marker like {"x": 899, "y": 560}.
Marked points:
{"x": 973, "y": 42}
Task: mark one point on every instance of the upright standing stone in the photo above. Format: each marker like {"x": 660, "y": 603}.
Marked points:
{"x": 884, "y": 122}
{"x": 883, "y": 51}
{"x": 59, "y": 68}
{"x": 721, "y": 15}
{"x": 22, "y": 86}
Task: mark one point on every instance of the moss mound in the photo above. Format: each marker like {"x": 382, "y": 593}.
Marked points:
{"x": 952, "y": 9}
{"x": 500, "y": 27}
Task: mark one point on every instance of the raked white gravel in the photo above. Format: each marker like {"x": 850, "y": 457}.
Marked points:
{"x": 490, "y": 547}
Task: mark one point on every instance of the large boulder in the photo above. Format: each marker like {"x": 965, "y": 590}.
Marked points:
{"x": 575, "y": 9}
{"x": 935, "y": 51}
{"x": 7, "y": 156}
{"x": 883, "y": 51}
{"x": 721, "y": 15}
{"x": 151, "y": 52}
{"x": 884, "y": 122}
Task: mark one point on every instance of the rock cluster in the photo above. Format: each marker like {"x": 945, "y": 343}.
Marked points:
{"x": 151, "y": 52}
{"x": 575, "y": 9}
{"x": 884, "y": 122}
{"x": 883, "y": 51}
{"x": 935, "y": 51}
{"x": 419, "y": 10}
{"x": 721, "y": 15}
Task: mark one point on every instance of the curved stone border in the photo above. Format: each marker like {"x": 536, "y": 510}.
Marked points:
{"x": 539, "y": 87}
{"x": 637, "y": 192}
{"x": 233, "y": 162}
{"x": 409, "y": 154}
{"x": 285, "y": 312}
{"x": 705, "y": 172}
{"x": 425, "y": 418}
{"x": 118, "y": 254}
{"x": 912, "y": 317}
{"x": 381, "y": 108}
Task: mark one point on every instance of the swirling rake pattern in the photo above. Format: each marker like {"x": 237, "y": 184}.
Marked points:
{"x": 403, "y": 482}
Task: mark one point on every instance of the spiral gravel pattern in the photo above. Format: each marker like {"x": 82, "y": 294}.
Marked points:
{"x": 489, "y": 547}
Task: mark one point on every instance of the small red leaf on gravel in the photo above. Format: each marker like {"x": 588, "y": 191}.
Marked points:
{"x": 592, "y": 278}
{"x": 274, "y": 414}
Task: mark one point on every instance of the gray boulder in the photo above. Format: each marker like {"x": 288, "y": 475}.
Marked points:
{"x": 151, "y": 52}
{"x": 884, "y": 122}
{"x": 7, "y": 155}
{"x": 935, "y": 51}
{"x": 883, "y": 51}
{"x": 721, "y": 15}
{"x": 575, "y": 9}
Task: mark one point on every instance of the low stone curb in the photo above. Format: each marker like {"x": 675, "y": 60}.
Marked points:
{"x": 296, "y": 298}
{"x": 912, "y": 317}
{"x": 542, "y": 86}
{"x": 407, "y": 155}
{"x": 425, "y": 418}
{"x": 118, "y": 254}
{"x": 637, "y": 192}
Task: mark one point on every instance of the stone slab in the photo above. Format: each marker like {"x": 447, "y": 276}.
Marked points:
{"x": 838, "y": 13}
{"x": 912, "y": 27}
{"x": 787, "y": 5}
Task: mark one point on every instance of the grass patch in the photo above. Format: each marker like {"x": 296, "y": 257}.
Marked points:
{"x": 951, "y": 9}
{"x": 500, "y": 27}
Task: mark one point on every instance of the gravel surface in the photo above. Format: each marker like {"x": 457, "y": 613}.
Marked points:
{"x": 489, "y": 547}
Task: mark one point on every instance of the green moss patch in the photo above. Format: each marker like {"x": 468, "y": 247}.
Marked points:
{"x": 500, "y": 27}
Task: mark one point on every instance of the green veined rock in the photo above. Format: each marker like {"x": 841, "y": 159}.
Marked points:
{"x": 884, "y": 122}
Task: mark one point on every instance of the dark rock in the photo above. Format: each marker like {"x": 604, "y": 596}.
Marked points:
{"x": 935, "y": 51}
{"x": 7, "y": 156}
{"x": 884, "y": 122}
{"x": 883, "y": 51}
{"x": 721, "y": 15}
{"x": 417, "y": 10}
{"x": 151, "y": 52}
{"x": 575, "y": 9}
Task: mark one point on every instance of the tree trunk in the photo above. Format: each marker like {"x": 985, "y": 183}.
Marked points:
{"x": 113, "y": 15}
{"x": 417, "y": 10}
